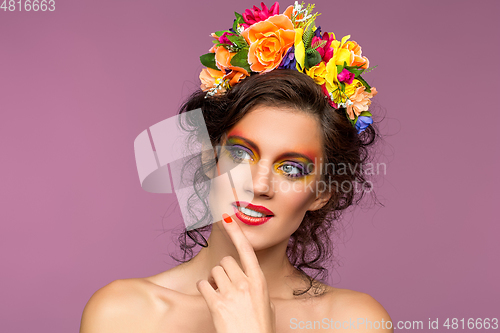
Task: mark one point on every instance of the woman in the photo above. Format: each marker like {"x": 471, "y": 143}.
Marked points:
{"x": 290, "y": 121}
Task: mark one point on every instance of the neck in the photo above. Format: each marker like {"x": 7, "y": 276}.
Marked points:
{"x": 281, "y": 276}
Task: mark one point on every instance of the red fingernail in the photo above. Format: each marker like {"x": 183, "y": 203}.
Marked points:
{"x": 227, "y": 218}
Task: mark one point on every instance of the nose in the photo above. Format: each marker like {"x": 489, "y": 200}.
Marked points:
{"x": 261, "y": 184}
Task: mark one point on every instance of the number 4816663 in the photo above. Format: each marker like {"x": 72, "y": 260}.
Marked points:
{"x": 28, "y": 5}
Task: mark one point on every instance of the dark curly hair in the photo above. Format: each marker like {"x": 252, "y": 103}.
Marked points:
{"x": 310, "y": 245}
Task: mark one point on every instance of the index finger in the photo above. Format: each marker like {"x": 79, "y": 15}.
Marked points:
{"x": 245, "y": 250}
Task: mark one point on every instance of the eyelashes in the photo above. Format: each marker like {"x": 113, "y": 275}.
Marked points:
{"x": 290, "y": 169}
{"x": 237, "y": 152}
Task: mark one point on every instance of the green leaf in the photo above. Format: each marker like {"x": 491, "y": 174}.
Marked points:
{"x": 339, "y": 68}
{"x": 355, "y": 70}
{"x": 370, "y": 69}
{"x": 318, "y": 44}
{"x": 365, "y": 114}
{"x": 367, "y": 86}
{"x": 219, "y": 33}
{"x": 208, "y": 60}
{"x": 240, "y": 59}
{"x": 308, "y": 36}
{"x": 353, "y": 121}
{"x": 239, "y": 20}
{"x": 312, "y": 59}
{"x": 239, "y": 41}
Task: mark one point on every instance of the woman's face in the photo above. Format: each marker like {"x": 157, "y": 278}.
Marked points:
{"x": 280, "y": 151}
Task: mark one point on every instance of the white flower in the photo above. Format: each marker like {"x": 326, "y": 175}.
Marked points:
{"x": 297, "y": 10}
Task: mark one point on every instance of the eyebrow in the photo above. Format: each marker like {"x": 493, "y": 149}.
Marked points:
{"x": 288, "y": 154}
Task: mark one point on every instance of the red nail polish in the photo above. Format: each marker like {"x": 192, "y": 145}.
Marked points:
{"x": 227, "y": 218}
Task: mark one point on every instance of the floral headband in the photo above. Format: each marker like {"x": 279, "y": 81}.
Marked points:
{"x": 262, "y": 40}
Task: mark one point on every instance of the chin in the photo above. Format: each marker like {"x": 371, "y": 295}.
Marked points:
{"x": 260, "y": 246}
{"x": 258, "y": 242}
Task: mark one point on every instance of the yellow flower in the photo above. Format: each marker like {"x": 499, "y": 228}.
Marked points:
{"x": 332, "y": 83}
{"x": 331, "y": 75}
{"x": 341, "y": 54}
{"x": 317, "y": 73}
{"x": 357, "y": 59}
{"x": 350, "y": 89}
{"x": 300, "y": 51}
{"x": 340, "y": 96}
{"x": 348, "y": 52}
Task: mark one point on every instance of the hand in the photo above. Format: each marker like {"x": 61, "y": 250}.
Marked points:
{"x": 241, "y": 302}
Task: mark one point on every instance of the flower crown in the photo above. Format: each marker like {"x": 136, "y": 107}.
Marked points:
{"x": 262, "y": 40}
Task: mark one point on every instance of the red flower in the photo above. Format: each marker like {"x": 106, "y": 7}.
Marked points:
{"x": 256, "y": 15}
{"x": 326, "y": 51}
{"x": 327, "y": 95}
{"x": 345, "y": 76}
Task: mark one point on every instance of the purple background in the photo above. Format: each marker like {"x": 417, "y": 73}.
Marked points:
{"x": 79, "y": 84}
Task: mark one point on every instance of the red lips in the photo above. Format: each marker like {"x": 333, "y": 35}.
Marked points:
{"x": 251, "y": 220}
{"x": 260, "y": 209}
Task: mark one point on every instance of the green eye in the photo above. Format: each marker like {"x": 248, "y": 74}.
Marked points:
{"x": 293, "y": 169}
{"x": 238, "y": 153}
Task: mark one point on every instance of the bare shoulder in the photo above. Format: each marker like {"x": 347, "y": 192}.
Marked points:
{"x": 359, "y": 308}
{"x": 125, "y": 305}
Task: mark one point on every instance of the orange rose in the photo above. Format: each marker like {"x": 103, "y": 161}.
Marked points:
{"x": 288, "y": 12}
{"x": 269, "y": 41}
{"x": 223, "y": 61}
{"x": 208, "y": 77}
{"x": 357, "y": 59}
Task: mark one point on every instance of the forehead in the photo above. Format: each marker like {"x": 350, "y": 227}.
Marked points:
{"x": 276, "y": 129}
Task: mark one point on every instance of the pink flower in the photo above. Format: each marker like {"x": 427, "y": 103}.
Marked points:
{"x": 224, "y": 40}
{"x": 256, "y": 15}
{"x": 345, "y": 76}
{"x": 325, "y": 51}
{"x": 360, "y": 101}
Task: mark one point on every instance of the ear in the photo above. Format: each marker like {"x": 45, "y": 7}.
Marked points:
{"x": 320, "y": 201}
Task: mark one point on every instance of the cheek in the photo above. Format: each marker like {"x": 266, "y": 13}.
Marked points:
{"x": 295, "y": 199}
{"x": 299, "y": 192}
{"x": 221, "y": 194}
{"x": 298, "y": 202}
{"x": 293, "y": 206}
{"x": 222, "y": 165}
{"x": 225, "y": 163}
